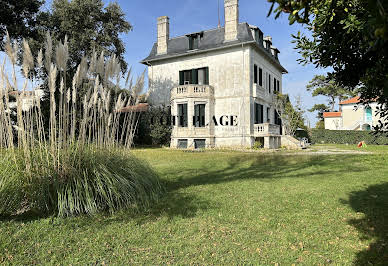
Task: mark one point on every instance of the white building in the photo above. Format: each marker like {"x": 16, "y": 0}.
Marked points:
{"x": 353, "y": 116}
{"x": 221, "y": 83}
{"x": 28, "y": 98}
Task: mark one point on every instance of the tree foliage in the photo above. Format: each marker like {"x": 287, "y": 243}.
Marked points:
{"x": 323, "y": 86}
{"x": 19, "y": 18}
{"x": 89, "y": 25}
{"x": 320, "y": 108}
{"x": 291, "y": 116}
{"x": 350, "y": 36}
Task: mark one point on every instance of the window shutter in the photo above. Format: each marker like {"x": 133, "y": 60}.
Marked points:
{"x": 274, "y": 84}
{"x": 194, "y": 76}
{"x": 196, "y": 42}
{"x": 202, "y": 115}
{"x": 181, "y": 78}
{"x": 196, "y": 115}
{"x": 256, "y": 114}
{"x": 269, "y": 83}
{"x": 254, "y": 74}
{"x": 268, "y": 115}
{"x": 185, "y": 115}
{"x": 191, "y": 43}
{"x": 207, "y": 76}
{"x": 261, "y": 114}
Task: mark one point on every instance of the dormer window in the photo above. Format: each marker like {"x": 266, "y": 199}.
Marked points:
{"x": 268, "y": 43}
{"x": 194, "y": 40}
{"x": 275, "y": 52}
{"x": 259, "y": 36}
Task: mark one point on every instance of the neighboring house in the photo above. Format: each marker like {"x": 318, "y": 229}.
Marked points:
{"x": 28, "y": 98}
{"x": 221, "y": 83}
{"x": 353, "y": 116}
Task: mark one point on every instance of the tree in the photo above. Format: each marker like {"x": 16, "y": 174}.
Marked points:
{"x": 321, "y": 108}
{"x": 320, "y": 124}
{"x": 19, "y": 18}
{"x": 291, "y": 116}
{"x": 351, "y": 37}
{"x": 89, "y": 26}
{"x": 321, "y": 85}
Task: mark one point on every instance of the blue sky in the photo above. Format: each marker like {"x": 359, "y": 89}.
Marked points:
{"x": 194, "y": 15}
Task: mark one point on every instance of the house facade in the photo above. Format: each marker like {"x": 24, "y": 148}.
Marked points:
{"x": 28, "y": 99}
{"x": 221, "y": 83}
{"x": 353, "y": 116}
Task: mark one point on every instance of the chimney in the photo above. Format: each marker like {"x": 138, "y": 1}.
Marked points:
{"x": 231, "y": 20}
{"x": 163, "y": 34}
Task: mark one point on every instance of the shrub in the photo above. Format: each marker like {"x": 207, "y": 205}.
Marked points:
{"x": 79, "y": 163}
{"x": 259, "y": 144}
{"x": 347, "y": 137}
{"x": 94, "y": 180}
{"x": 151, "y": 131}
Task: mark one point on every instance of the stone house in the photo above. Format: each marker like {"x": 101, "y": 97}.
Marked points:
{"x": 352, "y": 116}
{"x": 221, "y": 83}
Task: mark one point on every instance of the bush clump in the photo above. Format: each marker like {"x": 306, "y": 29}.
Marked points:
{"x": 93, "y": 180}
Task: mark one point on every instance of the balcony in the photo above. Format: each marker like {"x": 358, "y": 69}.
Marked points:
{"x": 192, "y": 91}
{"x": 266, "y": 129}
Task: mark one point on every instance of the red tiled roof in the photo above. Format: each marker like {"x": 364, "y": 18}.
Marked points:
{"x": 351, "y": 100}
{"x": 141, "y": 107}
{"x": 332, "y": 114}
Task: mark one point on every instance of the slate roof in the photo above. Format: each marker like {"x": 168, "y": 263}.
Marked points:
{"x": 211, "y": 40}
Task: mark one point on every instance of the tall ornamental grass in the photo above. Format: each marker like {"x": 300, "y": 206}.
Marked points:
{"x": 79, "y": 161}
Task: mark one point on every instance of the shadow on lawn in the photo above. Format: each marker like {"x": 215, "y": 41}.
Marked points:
{"x": 180, "y": 203}
{"x": 373, "y": 203}
{"x": 266, "y": 168}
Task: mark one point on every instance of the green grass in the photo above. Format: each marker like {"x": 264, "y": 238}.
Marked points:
{"x": 228, "y": 208}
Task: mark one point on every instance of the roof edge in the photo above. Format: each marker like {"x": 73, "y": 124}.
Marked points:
{"x": 165, "y": 57}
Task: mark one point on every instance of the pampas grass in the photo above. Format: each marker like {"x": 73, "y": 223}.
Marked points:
{"x": 78, "y": 163}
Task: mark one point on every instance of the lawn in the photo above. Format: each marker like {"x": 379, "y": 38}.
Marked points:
{"x": 228, "y": 208}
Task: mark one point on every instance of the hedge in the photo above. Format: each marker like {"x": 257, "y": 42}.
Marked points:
{"x": 347, "y": 137}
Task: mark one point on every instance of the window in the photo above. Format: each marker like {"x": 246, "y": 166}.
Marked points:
{"x": 258, "y": 113}
{"x": 260, "y": 77}
{"x": 199, "y": 115}
{"x": 268, "y": 115}
{"x": 182, "y": 115}
{"x": 368, "y": 114}
{"x": 277, "y": 121}
{"x": 194, "y": 40}
{"x": 274, "y": 85}
{"x": 202, "y": 76}
{"x": 182, "y": 143}
{"x": 199, "y": 144}
{"x": 198, "y": 76}
{"x": 187, "y": 77}
{"x": 278, "y": 85}
{"x": 269, "y": 83}
{"x": 255, "y": 74}
{"x": 259, "y": 36}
